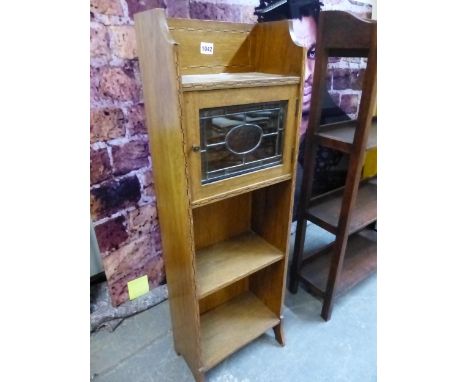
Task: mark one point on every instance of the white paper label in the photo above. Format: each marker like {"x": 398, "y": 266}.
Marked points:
{"x": 206, "y": 47}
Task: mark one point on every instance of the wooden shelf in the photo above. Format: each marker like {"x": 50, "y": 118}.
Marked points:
{"x": 340, "y": 135}
{"x": 232, "y": 325}
{"x": 229, "y": 261}
{"x": 325, "y": 210}
{"x": 360, "y": 261}
{"x": 191, "y": 82}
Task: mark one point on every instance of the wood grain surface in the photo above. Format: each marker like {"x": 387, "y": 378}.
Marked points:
{"x": 231, "y": 260}
{"x": 233, "y": 325}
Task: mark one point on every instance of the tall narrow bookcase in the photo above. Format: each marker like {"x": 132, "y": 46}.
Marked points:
{"x": 223, "y": 108}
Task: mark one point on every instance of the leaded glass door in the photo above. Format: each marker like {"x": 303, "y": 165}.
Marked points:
{"x": 238, "y": 137}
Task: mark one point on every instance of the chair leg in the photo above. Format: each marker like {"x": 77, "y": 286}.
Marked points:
{"x": 297, "y": 255}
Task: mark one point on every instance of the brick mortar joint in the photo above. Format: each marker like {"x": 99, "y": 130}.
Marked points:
{"x": 346, "y": 65}
{"x": 131, "y": 240}
{"x": 115, "y": 215}
{"x": 98, "y": 22}
{"x": 97, "y": 108}
{"x": 102, "y": 104}
{"x": 111, "y": 158}
{"x": 346, "y": 91}
{"x": 112, "y": 20}
{"x": 119, "y": 142}
{"x": 123, "y": 212}
{"x": 114, "y": 62}
{"x": 126, "y": 112}
{"x": 124, "y": 5}
{"x": 120, "y": 177}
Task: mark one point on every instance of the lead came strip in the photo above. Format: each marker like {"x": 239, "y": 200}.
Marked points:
{"x": 240, "y": 139}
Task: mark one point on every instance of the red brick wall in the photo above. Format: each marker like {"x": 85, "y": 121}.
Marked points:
{"x": 345, "y": 74}
{"x": 123, "y": 203}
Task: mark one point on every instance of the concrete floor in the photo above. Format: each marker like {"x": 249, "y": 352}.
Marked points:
{"x": 343, "y": 349}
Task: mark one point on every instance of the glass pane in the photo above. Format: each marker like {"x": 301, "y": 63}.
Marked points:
{"x": 239, "y": 139}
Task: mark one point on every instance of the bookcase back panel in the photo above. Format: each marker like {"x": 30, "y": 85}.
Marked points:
{"x": 220, "y": 297}
{"x": 272, "y": 45}
{"x": 221, "y": 220}
{"x": 212, "y": 47}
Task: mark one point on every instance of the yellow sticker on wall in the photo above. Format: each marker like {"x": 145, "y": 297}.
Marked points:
{"x": 138, "y": 287}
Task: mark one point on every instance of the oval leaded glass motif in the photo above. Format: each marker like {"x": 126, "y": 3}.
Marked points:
{"x": 243, "y": 139}
{"x": 238, "y": 139}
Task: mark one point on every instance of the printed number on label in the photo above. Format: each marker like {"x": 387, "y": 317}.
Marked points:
{"x": 206, "y": 48}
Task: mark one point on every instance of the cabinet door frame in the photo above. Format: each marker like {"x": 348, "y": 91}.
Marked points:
{"x": 194, "y": 101}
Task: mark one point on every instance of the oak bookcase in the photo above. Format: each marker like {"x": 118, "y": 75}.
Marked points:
{"x": 223, "y": 108}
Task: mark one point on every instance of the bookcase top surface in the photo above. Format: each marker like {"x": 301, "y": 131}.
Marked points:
{"x": 228, "y": 80}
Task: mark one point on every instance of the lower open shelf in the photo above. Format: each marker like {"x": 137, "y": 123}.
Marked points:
{"x": 360, "y": 261}
{"x": 232, "y": 325}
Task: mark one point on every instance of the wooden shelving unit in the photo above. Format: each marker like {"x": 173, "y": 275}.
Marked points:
{"x": 360, "y": 261}
{"x": 223, "y": 131}
{"x": 325, "y": 210}
{"x": 349, "y": 211}
{"x": 340, "y": 135}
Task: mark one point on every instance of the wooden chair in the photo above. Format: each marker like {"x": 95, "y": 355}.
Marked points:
{"x": 348, "y": 211}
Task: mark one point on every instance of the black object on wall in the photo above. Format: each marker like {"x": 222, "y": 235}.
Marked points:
{"x": 272, "y": 10}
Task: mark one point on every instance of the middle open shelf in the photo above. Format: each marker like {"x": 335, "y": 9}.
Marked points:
{"x": 237, "y": 237}
{"x": 224, "y": 263}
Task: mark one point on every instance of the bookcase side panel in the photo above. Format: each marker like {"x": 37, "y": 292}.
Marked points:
{"x": 158, "y": 62}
